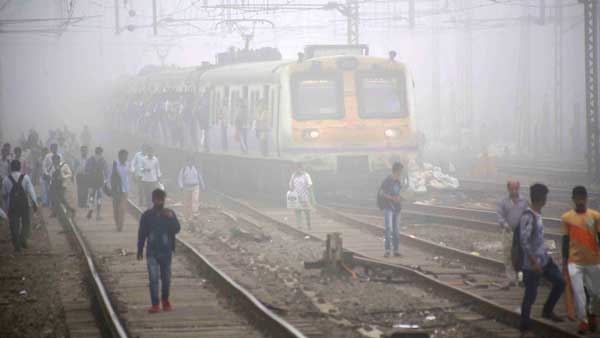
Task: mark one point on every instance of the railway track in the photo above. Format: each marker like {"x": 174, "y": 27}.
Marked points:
{"x": 446, "y": 271}
{"x": 464, "y": 218}
{"x": 207, "y": 303}
{"x": 560, "y": 192}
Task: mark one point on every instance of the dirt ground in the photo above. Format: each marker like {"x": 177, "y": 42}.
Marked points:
{"x": 272, "y": 262}
{"x": 30, "y": 304}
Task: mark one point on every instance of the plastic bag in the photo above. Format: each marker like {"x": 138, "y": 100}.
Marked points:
{"x": 292, "y": 200}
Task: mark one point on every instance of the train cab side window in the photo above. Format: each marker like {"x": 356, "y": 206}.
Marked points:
{"x": 382, "y": 96}
{"x": 317, "y": 98}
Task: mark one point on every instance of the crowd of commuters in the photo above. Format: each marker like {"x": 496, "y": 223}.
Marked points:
{"x": 527, "y": 257}
{"x": 186, "y": 119}
{"x": 49, "y": 165}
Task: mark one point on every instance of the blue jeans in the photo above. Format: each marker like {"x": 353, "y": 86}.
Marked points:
{"x": 159, "y": 264}
{"x": 531, "y": 279}
{"x": 392, "y": 232}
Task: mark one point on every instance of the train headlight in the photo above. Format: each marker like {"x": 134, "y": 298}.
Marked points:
{"x": 311, "y": 134}
{"x": 389, "y": 133}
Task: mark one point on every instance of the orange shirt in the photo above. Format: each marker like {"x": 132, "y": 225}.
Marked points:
{"x": 583, "y": 241}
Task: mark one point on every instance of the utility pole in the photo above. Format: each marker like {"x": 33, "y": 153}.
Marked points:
{"x": 352, "y": 21}
{"x": 2, "y": 119}
{"x": 154, "y": 18}
{"x": 117, "y": 18}
{"x": 558, "y": 68}
{"x": 591, "y": 9}
{"x": 435, "y": 75}
{"x": 411, "y": 13}
{"x": 523, "y": 112}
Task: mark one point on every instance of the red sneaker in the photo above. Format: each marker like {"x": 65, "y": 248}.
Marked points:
{"x": 166, "y": 305}
{"x": 593, "y": 323}
{"x": 583, "y": 328}
{"x": 154, "y": 309}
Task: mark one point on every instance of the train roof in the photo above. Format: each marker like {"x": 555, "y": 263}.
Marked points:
{"x": 248, "y": 72}
{"x": 245, "y": 72}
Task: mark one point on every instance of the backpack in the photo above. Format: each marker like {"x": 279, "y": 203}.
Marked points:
{"x": 19, "y": 202}
{"x": 516, "y": 251}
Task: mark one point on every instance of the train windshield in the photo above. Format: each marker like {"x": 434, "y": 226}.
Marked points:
{"x": 316, "y": 99}
{"x": 382, "y": 96}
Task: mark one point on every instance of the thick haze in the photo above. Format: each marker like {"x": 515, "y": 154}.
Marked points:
{"x": 54, "y": 73}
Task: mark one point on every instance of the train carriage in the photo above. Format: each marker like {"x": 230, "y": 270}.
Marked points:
{"x": 337, "y": 110}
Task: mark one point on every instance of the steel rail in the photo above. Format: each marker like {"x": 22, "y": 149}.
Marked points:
{"x": 109, "y": 315}
{"x": 481, "y": 305}
{"x": 466, "y": 257}
{"x": 264, "y": 318}
{"x": 478, "y": 220}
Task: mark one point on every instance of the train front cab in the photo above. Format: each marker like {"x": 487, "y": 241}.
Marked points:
{"x": 348, "y": 114}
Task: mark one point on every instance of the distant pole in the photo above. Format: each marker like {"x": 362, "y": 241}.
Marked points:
{"x": 2, "y": 121}
{"x": 117, "y": 19}
{"x": 558, "y": 83}
{"x": 154, "y": 18}
{"x": 436, "y": 75}
{"x": 352, "y": 21}
{"x": 591, "y": 9}
{"x": 411, "y": 13}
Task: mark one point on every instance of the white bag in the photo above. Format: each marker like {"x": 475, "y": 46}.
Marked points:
{"x": 292, "y": 200}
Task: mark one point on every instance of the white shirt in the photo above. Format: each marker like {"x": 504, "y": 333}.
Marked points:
{"x": 136, "y": 164}
{"x": 47, "y": 163}
{"x": 150, "y": 169}
{"x": 190, "y": 176}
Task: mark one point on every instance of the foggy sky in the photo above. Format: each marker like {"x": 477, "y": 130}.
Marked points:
{"x": 48, "y": 80}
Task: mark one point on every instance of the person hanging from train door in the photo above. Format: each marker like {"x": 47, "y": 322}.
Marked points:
{"x": 241, "y": 124}
{"x": 302, "y": 186}
{"x": 158, "y": 227}
{"x": 536, "y": 263}
{"x": 223, "y": 114}
{"x": 390, "y": 202}
{"x": 581, "y": 258}
{"x": 263, "y": 127}
{"x": 204, "y": 119}
{"x": 509, "y": 211}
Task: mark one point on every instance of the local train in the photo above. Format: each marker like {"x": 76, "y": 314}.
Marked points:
{"x": 335, "y": 108}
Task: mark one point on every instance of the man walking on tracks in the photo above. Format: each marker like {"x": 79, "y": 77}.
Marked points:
{"x": 536, "y": 262}
{"x": 96, "y": 171}
{"x": 191, "y": 181}
{"x": 509, "y": 212}
{"x": 136, "y": 170}
{"x": 18, "y": 193}
{"x": 150, "y": 176}
{"x": 80, "y": 177}
{"x": 581, "y": 258}
{"x": 118, "y": 181}
{"x": 390, "y": 201}
{"x": 158, "y": 227}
